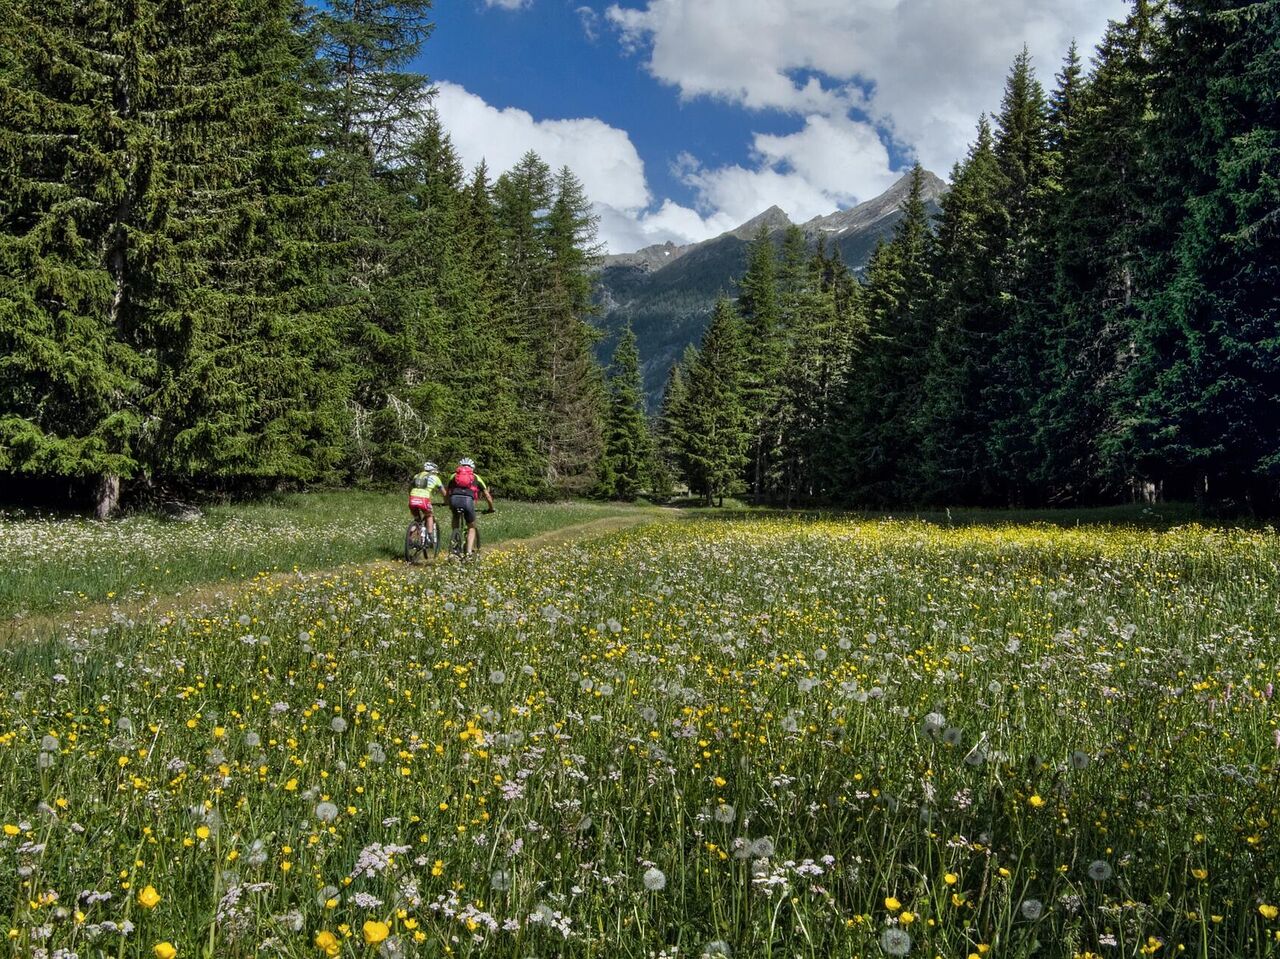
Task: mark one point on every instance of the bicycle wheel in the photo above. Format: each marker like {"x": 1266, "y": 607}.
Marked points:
{"x": 458, "y": 542}
{"x": 434, "y": 540}
{"x": 414, "y": 548}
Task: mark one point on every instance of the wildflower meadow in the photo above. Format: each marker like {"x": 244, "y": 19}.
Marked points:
{"x": 753, "y": 737}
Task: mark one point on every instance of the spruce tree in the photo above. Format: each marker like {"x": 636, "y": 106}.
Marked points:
{"x": 154, "y": 250}
{"x": 1016, "y": 368}
{"x": 758, "y": 304}
{"x": 714, "y": 424}
{"x": 1096, "y": 235}
{"x": 878, "y": 434}
{"x": 1206, "y": 387}
{"x": 367, "y": 108}
{"x": 626, "y": 465}
{"x": 969, "y": 309}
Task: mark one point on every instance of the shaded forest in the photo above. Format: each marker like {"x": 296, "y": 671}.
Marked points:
{"x": 239, "y": 253}
{"x": 1093, "y": 317}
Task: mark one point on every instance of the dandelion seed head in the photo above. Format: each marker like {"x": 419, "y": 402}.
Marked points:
{"x": 1100, "y": 870}
{"x": 1031, "y": 909}
{"x": 326, "y": 811}
{"x": 338, "y": 724}
{"x": 655, "y": 880}
{"x": 895, "y": 941}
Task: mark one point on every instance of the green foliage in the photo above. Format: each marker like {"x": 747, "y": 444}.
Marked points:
{"x": 713, "y": 431}
{"x": 627, "y": 465}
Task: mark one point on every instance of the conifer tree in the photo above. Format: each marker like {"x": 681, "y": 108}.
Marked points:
{"x": 759, "y": 307}
{"x": 1095, "y": 236}
{"x": 969, "y": 309}
{"x": 367, "y": 108}
{"x": 879, "y": 414}
{"x": 626, "y": 465}
{"x": 1207, "y": 384}
{"x": 1015, "y": 372}
{"x": 713, "y": 419}
{"x": 149, "y": 325}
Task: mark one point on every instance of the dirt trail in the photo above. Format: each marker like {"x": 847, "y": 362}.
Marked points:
{"x": 211, "y": 594}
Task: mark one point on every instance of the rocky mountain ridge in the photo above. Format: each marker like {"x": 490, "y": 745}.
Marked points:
{"x": 666, "y": 291}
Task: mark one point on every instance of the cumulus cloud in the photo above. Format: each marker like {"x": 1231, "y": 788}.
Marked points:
{"x": 922, "y": 70}
{"x": 829, "y": 162}
{"x": 603, "y": 157}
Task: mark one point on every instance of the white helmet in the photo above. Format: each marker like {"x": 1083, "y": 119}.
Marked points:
{"x": 429, "y": 467}
{"x": 467, "y": 461}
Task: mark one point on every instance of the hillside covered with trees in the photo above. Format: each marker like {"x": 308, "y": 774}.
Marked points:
{"x": 1093, "y": 317}
{"x": 238, "y": 252}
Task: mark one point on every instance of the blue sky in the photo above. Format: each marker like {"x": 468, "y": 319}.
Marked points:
{"x": 685, "y": 117}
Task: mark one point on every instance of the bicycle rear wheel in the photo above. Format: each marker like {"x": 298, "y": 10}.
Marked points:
{"x": 415, "y": 549}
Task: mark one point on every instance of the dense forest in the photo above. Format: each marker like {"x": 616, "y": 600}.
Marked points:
{"x": 238, "y": 252}
{"x": 1093, "y": 317}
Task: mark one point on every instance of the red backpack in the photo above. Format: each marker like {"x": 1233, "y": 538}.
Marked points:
{"x": 464, "y": 478}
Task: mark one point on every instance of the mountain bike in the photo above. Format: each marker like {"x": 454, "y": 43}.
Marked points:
{"x": 458, "y": 542}
{"x": 420, "y": 543}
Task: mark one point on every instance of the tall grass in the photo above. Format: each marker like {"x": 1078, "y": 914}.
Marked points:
{"x": 762, "y": 739}
{"x": 50, "y": 564}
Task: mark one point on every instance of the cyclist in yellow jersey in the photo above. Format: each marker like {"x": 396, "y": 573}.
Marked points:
{"x": 424, "y": 485}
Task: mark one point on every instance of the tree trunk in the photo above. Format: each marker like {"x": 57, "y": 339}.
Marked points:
{"x": 108, "y": 494}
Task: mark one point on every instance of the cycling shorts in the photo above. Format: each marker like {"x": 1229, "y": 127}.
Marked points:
{"x": 464, "y": 504}
{"x": 422, "y": 503}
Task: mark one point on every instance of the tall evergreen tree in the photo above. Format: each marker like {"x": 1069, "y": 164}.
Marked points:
{"x": 1207, "y": 383}
{"x": 879, "y": 414}
{"x": 154, "y": 183}
{"x": 1096, "y": 237}
{"x": 626, "y": 465}
{"x": 713, "y": 419}
{"x": 367, "y": 107}
{"x": 969, "y": 310}
{"x": 1015, "y": 373}
{"x": 759, "y": 307}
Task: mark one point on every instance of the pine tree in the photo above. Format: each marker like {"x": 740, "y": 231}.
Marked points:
{"x": 573, "y": 382}
{"x": 713, "y": 420}
{"x": 1016, "y": 369}
{"x": 1207, "y": 384}
{"x": 626, "y": 465}
{"x": 759, "y": 307}
{"x": 879, "y": 414}
{"x": 968, "y": 309}
{"x": 1096, "y": 235}
{"x": 668, "y": 429}
{"x": 367, "y": 109}
{"x": 149, "y": 327}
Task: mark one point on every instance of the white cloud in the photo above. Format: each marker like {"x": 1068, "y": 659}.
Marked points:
{"x": 603, "y": 157}
{"x": 829, "y": 162}
{"x": 930, "y": 66}
{"x": 509, "y": 4}
{"x": 590, "y": 22}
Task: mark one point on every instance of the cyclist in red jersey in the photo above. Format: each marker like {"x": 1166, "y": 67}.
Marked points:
{"x": 464, "y": 487}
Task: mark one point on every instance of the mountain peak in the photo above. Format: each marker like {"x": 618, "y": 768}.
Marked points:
{"x": 774, "y": 218}
{"x": 865, "y": 215}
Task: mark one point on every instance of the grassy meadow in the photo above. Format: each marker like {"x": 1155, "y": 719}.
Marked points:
{"x": 55, "y": 563}
{"x": 756, "y": 737}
